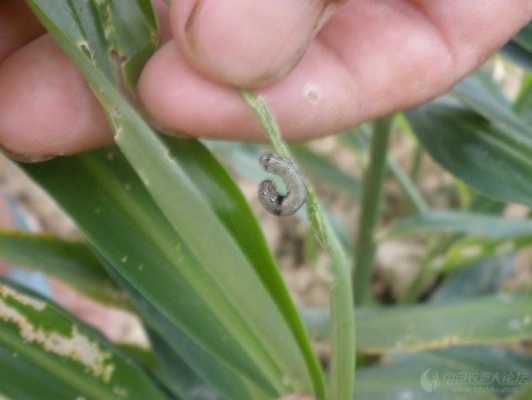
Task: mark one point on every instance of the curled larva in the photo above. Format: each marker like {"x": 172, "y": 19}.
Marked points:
{"x": 270, "y": 198}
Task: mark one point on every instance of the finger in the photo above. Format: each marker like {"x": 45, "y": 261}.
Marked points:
{"x": 403, "y": 53}
{"x": 46, "y": 107}
{"x": 474, "y": 29}
{"x": 246, "y": 43}
{"x": 319, "y": 94}
{"x": 371, "y": 59}
{"x": 18, "y": 26}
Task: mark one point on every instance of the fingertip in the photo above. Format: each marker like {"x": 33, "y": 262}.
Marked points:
{"x": 47, "y": 108}
{"x": 246, "y": 43}
{"x": 178, "y": 99}
{"x": 317, "y": 98}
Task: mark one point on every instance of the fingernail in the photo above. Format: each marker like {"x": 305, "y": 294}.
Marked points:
{"x": 25, "y": 158}
{"x": 247, "y": 43}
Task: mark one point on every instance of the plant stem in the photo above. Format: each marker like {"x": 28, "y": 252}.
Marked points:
{"x": 356, "y": 141}
{"x": 343, "y": 347}
{"x": 365, "y": 246}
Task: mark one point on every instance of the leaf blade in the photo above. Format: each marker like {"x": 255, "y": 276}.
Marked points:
{"x": 480, "y": 154}
{"x": 184, "y": 206}
{"x": 39, "y": 339}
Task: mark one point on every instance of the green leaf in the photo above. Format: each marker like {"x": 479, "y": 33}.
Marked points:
{"x": 524, "y": 38}
{"x": 466, "y": 251}
{"x": 480, "y": 279}
{"x": 523, "y": 104}
{"x": 495, "y": 161}
{"x": 175, "y": 374}
{"x": 412, "y": 193}
{"x": 281, "y": 361}
{"x": 69, "y": 261}
{"x": 482, "y": 94}
{"x": 343, "y": 347}
{"x": 470, "y": 373}
{"x": 325, "y": 172}
{"x": 240, "y": 158}
{"x": 184, "y": 367}
{"x": 517, "y": 54}
{"x": 474, "y": 236}
{"x": 231, "y": 207}
{"x": 519, "y": 49}
{"x": 358, "y": 141}
{"x": 484, "y": 205}
{"x": 451, "y": 222}
{"x": 525, "y": 393}
{"x": 46, "y": 354}
{"x": 504, "y": 318}
{"x": 158, "y": 265}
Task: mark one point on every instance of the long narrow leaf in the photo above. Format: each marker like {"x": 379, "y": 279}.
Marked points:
{"x": 480, "y": 92}
{"x": 184, "y": 367}
{"x": 484, "y": 156}
{"x": 341, "y": 385}
{"x": 472, "y": 373}
{"x": 47, "y": 354}
{"x": 269, "y": 343}
{"x": 445, "y": 222}
{"x": 519, "y": 49}
{"x": 503, "y": 318}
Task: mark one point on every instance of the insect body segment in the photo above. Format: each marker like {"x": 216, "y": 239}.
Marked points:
{"x": 269, "y": 196}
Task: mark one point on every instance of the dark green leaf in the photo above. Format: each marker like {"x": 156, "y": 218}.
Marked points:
{"x": 504, "y": 318}
{"x": 184, "y": 367}
{"x": 480, "y": 92}
{"x": 176, "y": 375}
{"x": 525, "y": 393}
{"x": 520, "y": 48}
{"x": 473, "y": 373}
{"x": 495, "y": 162}
{"x": 186, "y": 215}
{"x": 158, "y": 265}
{"x": 481, "y": 279}
{"x": 46, "y": 354}
{"x": 474, "y": 224}
{"x": 524, "y": 38}
{"x": 523, "y": 104}
{"x": 325, "y": 172}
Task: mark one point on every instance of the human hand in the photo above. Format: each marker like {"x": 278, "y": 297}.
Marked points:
{"x": 371, "y": 58}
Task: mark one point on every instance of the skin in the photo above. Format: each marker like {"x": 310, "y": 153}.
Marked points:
{"x": 370, "y": 58}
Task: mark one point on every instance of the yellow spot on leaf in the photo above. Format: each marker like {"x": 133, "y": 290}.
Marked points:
{"x": 76, "y": 346}
{"x": 120, "y": 391}
{"x": 6, "y": 292}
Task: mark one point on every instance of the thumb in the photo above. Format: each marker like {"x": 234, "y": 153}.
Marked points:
{"x": 247, "y": 43}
